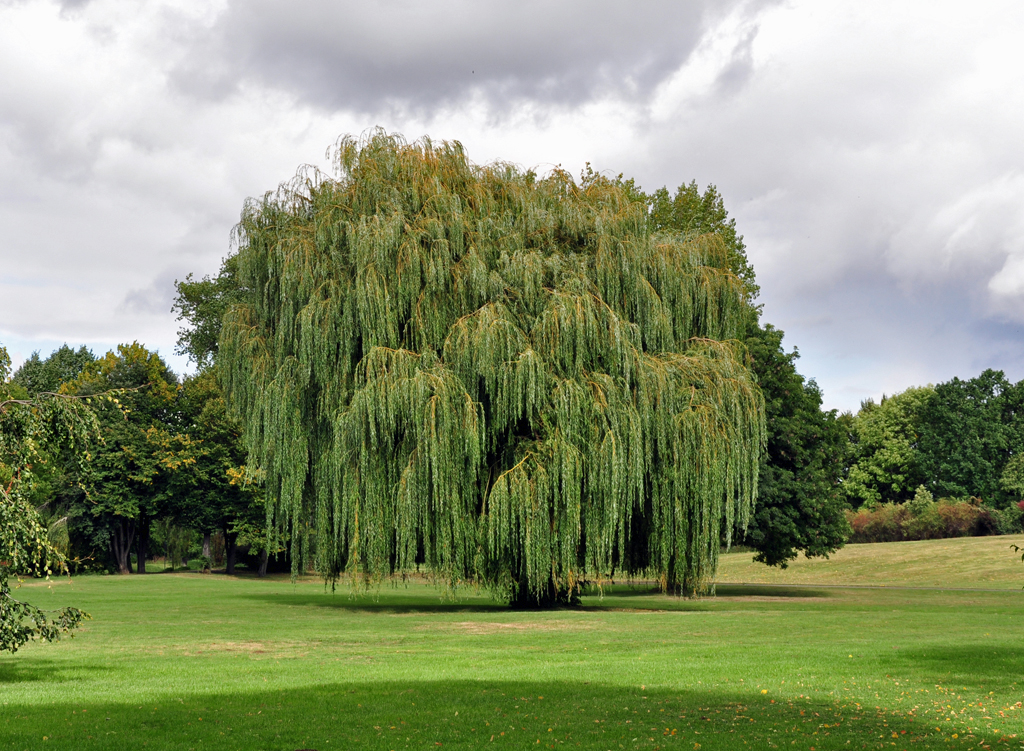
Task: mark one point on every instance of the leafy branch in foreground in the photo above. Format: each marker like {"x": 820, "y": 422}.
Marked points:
{"x": 26, "y": 550}
{"x": 30, "y": 429}
{"x": 509, "y": 378}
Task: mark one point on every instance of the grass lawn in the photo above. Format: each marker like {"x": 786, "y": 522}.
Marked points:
{"x": 192, "y": 661}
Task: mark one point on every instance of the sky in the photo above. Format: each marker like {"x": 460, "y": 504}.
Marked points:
{"x": 870, "y": 151}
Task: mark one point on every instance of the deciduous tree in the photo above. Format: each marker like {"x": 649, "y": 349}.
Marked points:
{"x": 969, "y": 431}
{"x": 64, "y": 364}
{"x": 800, "y": 505}
{"x": 214, "y": 493}
{"x": 129, "y": 476}
{"x": 885, "y": 465}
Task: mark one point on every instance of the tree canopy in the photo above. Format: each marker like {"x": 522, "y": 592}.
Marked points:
{"x": 509, "y": 377}
{"x": 129, "y": 476}
{"x": 201, "y": 304}
{"x": 884, "y": 463}
{"x": 959, "y": 438}
{"x": 696, "y": 213}
{"x": 970, "y": 429}
{"x": 37, "y": 375}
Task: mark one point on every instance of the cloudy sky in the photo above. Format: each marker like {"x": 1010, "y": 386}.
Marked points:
{"x": 870, "y": 151}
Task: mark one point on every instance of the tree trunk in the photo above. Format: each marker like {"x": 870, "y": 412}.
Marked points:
{"x": 549, "y": 597}
{"x": 206, "y": 547}
{"x": 142, "y": 549}
{"x": 121, "y": 538}
{"x": 230, "y": 551}
{"x": 264, "y": 557}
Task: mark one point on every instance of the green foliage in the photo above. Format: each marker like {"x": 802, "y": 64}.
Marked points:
{"x": 1008, "y": 520}
{"x": 201, "y": 303}
{"x": 29, "y": 430}
{"x": 1012, "y": 478}
{"x": 960, "y": 439}
{"x": 922, "y": 502}
{"x": 884, "y": 463}
{"x": 173, "y": 541}
{"x": 40, "y": 376}
{"x": 52, "y": 485}
{"x": 129, "y": 476}
{"x": 504, "y": 376}
{"x": 800, "y": 505}
{"x": 696, "y": 213}
{"x": 216, "y": 493}
{"x": 969, "y": 431}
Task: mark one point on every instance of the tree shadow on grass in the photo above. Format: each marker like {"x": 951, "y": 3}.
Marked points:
{"x": 15, "y": 669}
{"x": 389, "y": 602}
{"x": 971, "y": 665}
{"x": 761, "y": 591}
{"x": 626, "y": 596}
{"x": 399, "y": 604}
{"x": 469, "y": 715}
{"x": 639, "y": 589}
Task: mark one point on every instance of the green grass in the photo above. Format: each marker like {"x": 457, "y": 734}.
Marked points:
{"x": 192, "y": 661}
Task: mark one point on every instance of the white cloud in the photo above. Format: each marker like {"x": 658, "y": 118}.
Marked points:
{"x": 870, "y": 151}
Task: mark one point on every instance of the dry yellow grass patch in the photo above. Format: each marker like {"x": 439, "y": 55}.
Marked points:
{"x": 253, "y": 648}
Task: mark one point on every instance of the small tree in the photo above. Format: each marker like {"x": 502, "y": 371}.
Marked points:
{"x": 1012, "y": 479}
{"x": 507, "y": 377}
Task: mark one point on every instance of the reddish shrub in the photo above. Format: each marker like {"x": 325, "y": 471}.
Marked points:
{"x": 892, "y": 522}
{"x": 883, "y": 524}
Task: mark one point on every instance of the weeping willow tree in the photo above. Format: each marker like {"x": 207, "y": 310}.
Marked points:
{"x": 506, "y": 377}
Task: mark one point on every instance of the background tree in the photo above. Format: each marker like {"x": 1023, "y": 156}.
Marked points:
{"x": 201, "y": 304}
{"x": 27, "y": 426}
{"x": 213, "y": 493}
{"x": 799, "y": 507}
{"x": 505, "y": 376}
{"x": 54, "y": 489}
{"x": 969, "y": 431}
{"x": 885, "y": 465}
{"x": 64, "y": 364}
{"x": 129, "y": 476}
{"x": 694, "y": 213}
{"x": 800, "y": 504}
{"x": 219, "y": 493}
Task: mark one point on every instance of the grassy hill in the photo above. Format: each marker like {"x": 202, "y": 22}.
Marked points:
{"x": 986, "y": 562}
